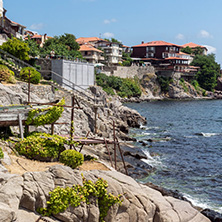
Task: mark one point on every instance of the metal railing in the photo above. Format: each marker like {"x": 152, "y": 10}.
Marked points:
{"x": 63, "y": 82}
{"x": 66, "y": 83}
{"x": 10, "y": 58}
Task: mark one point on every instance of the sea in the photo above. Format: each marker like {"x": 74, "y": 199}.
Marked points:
{"x": 184, "y": 145}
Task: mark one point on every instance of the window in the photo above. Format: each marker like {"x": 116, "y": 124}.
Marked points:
{"x": 166, "y": 48}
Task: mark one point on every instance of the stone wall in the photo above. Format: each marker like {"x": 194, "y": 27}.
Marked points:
{"x": 129, "y": 72}
{"x": 45, "y": 64}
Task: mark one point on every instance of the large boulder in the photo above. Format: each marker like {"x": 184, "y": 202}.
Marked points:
{"x": 140, "y": 203}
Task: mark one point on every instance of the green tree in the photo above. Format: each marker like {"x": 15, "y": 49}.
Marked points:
{"x": 17, "y": 47}
{"x": 198, "y": 51}
{"x": 187, "y": 50}
{"x": 114, "y": 41}
{"x": 34, "y": 47}
{"x": 209, "y": 71}
{"x": 70, "y": 41}
{"x": 127, "y": 61}
{"x": 64, "y": 45}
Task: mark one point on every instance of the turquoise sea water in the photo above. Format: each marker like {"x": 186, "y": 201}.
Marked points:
{"x": 184, "y": 144}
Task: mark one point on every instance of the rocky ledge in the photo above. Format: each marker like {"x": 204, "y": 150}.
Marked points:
{"x": 21, "y": 196}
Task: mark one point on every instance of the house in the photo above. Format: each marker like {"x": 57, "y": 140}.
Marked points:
{"x": 90, "y": 40}
{"x": 112, "y": 50}
{"x": 9, "y": 27}
{"x": 126, "y": 49}
{"x": 194, "y": 46}
{"x": 164, "y": 56}
{"x": 39, "y": 39}
{"x": 91, "y": 54}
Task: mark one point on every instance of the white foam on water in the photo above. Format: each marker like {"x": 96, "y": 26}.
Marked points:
{"x": 207, "y": 134}
{"x": 202, "y": 204}
{"x": 150, "y": 160}
{"x": 210, "y": 134}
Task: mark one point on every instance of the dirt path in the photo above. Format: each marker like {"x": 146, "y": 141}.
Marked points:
{"x": 21, "y": 165}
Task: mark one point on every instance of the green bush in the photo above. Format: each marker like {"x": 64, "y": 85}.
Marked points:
{"x": 35, "y": 76}
{"x": 125, "y": 87}
{"x": 164, "y": 82}
{"x": 61, "y": 198}
{"x": 6, "y": 75}
{"x": 1, "y": 153}
{"x": 45, "y": 116}
{"x": 41, "y": 146}
{"x": 71, "y": 158}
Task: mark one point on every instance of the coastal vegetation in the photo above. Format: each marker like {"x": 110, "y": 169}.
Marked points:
{"x": 41, "y": 146}
{"x": 124, "y": 87}
{"x": 30, "y": 74}
{"x": 6, "y": 75}
{"x": 209, "y": 71}
{"x": 62, "y": 198}
{"x": 1, "y": 153}
{"x": 71, "y": 158}
{"x": 17, "y": 48}
{"x": 164, "y": 83}
{"x": 49, "y": 115}
{"x": 63, "y": 46}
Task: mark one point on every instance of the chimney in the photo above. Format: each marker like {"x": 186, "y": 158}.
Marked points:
{"x": 142, "y": 42}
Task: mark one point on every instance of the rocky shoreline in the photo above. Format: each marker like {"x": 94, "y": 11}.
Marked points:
{"x": 113, "y": 110}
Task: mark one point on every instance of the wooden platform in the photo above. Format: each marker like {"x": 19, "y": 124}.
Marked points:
{"x": 11, "y": 115}
{"x": 87, "y": 141}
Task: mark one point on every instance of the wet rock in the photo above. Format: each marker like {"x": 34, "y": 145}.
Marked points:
{"x": 212, "y": 215}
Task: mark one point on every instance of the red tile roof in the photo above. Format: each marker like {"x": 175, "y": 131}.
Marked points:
{"x": 156, "y": 43}
{"x": 15, "y": 23}
{"x": 89, "y": 47}
{"x": 175, "y": 58}
{"x": 83, "y": 40}
{"x": 192, "y": 45}
{"x": 36, "y": 37}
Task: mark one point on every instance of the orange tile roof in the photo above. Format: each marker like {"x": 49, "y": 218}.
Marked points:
{"x": 176, "y": 58}
{"x": 124, "y": 46}
{"x": 156, "y": 43}
{"x": 36, "y": 37}
{"x": 193, "y": 45}
{"x": 183, "y": 53}
{"x": 15, "y": 23}
{"x": 83, "y": 40}
{"x": 89, "y": 47}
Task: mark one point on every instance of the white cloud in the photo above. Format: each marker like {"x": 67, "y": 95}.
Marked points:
{"x": 108, "y": 21}
{"x": 210, "y": 49}
{"x": 180, "y": 36}
{"x": 108, "y": 35}
{"x": 38, "y": 26}
{"x": 205, "y": 34}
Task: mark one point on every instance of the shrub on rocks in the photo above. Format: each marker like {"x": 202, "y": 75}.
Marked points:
{"x": 6, "y": 75}
{"x": 71, "y": 158}
{"x": 1, "y": 153}
{"x": 41, "y": 146}
{"x": 35, "y": 76}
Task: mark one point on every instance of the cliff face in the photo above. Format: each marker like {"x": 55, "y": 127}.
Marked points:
{"x": 21, "y": 196}
{"x": 84, "y": 119}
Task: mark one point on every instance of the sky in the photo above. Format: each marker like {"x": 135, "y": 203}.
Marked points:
{"x": 129, "y": 21}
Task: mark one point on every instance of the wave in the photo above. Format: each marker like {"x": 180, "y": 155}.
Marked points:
{"x": 149, "y": 127}
{"x": 202, "y": 203}
{"x": 154, "y": 162}
{"x": 207, "y": 134}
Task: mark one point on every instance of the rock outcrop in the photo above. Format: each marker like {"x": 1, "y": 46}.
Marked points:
{"x": 84, "y": 119}
{"x": 21, "y": 196}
